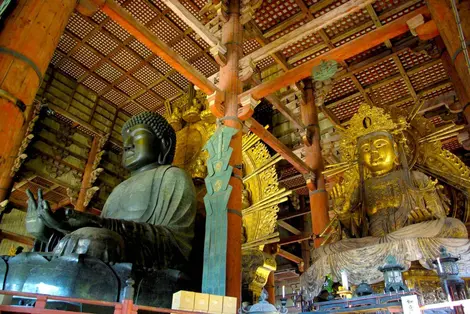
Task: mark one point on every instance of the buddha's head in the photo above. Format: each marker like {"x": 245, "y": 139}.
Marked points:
{"x": 147, "y": 139}
{"x": 377, "y": 152}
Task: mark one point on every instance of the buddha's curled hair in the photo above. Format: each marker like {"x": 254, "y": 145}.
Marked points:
{"x": 160, "y": 127}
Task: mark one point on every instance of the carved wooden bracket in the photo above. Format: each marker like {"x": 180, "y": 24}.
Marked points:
{"x": 215, "y": 101}
{"x": 248, "y": 9}
{"x": 219, "y": 53}
{"x": 89, "y": 7}
{"x": 310, "y": 180}
{"x": 247, "y": 69}
{"x": 414, "y": 23}
{"x": 248, "y": 105}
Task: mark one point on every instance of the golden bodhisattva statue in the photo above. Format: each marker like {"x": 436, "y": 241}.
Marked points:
{"x": 383, "y": 205}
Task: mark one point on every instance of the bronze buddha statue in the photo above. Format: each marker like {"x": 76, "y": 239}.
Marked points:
{"x": 148, "y": 219}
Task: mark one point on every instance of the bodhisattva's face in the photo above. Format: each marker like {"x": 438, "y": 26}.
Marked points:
{"x": 378, "y": 154}
{"x": 140, "y": 147}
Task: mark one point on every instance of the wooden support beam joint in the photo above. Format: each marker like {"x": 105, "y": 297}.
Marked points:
{"x": 89, "y": 7}
{"x": 247, "y": 69}
{"x": 310, "y": 181}
{"x": 248, "y": 107}
{"x": 215, "y": 101}
{"x": 219, "y": 53}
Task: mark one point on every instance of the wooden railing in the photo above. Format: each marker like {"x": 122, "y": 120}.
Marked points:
{"x": 124, "y": 307}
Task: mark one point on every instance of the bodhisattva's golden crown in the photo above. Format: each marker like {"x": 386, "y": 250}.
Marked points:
{"x": 372, "y": 119}
{"x": 368, "y": 120}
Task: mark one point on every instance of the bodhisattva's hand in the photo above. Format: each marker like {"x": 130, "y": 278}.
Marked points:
{"x": 40, "y": 220}
{"x": 338, "y": 196}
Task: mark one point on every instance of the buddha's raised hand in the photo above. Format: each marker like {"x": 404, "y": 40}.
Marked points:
{"x": 40, "y": 219}
{"x": 34, "y": 224}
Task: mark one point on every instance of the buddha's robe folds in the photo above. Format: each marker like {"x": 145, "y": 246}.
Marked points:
{"x": 362, "y": 257}
{"x": 154, "y": 212}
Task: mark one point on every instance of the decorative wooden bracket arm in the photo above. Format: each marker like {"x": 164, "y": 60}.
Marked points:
{"x": 248, "y": 105}
{"x": 219, "y": 53}
{"x": 424, "y": 30}
{"x": 89, "y": 7}
{"x": 247, "y": 15}
{"x": 310, "y": 180}
{"x": 215, "y": 102}
{"x": 247, "y": 69}
{"x": 414, "y": 23}
{"x": 308, "y": 133}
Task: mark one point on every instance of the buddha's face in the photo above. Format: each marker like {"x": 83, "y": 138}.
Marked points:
{"x": 377, "y": 154}
{"x": 140, "y": 147}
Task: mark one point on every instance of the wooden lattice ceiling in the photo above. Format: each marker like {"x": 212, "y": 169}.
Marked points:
{"x": 102, "y": 74}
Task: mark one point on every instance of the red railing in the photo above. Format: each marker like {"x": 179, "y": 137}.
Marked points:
{"x": 125, "y": 307}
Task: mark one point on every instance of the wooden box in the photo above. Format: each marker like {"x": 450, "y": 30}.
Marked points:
{"x": 183, "y": 300}
{"x": 215, "y": 303}
{"x": 230, "y": 305}
{"x": 201, "y": 302}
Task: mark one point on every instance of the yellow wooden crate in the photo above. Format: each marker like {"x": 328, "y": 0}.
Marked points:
{"x": 183, "y": 300}
{"x": 230, "y": 305}
{"x": 201, "y": 302}
{"x": 215, "y": 303}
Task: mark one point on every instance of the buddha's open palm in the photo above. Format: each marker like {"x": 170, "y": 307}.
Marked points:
{"x": 40, "y": 220}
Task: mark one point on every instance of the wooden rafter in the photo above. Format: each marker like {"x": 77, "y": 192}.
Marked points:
{"x": 292, "y": 257}
{"x": 405, "y": 77}
{"x": 278, "y": 146}
{"x": 16, "y": 237}
{"x": 377, "y": 22}
{"x": 341, "y": 53}
{"x": 192, "y": 22}
{"x": 139, "y": 31}
{"x": 306, "y": 29}
{"x": 289, "y": 227}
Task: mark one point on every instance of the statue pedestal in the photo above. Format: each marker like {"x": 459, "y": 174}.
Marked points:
{"x": 84, "y": 277}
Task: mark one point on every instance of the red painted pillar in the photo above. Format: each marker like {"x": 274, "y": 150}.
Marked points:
{"x": 231, "y": 86}
{"x": 27, "y": 42}
{"x": 318, "y": 195}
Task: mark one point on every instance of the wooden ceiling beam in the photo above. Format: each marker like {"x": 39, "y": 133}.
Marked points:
{"x": 72, "y": 117}
{"x": 16, "y": 237}
{"x": 158, "y": 47}
{"x": 192, "y": 22}
{"x": 377, "y": 22}
{"x": 289, "y": 215}
{"x": 311, "y": 27}
{"x": 405, "y": 77}
{"x": 289, "y": 227}
{"x": 295, "y": 239}
{"x": 292, "y": 257}
{"x": 278, "y": 146}
{"x": 277, "y": 56}
{"x": 341, "y": 53}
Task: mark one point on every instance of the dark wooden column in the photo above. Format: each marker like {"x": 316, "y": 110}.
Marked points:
{"x": 454, "y": 60}
{"x": 231, "y": 86}
{"x": 28, "y": 39}
{"x": 80, "y": 205}
{"x": 317, "y": 194}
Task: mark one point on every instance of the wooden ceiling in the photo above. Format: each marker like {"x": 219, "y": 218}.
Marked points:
{"x": 100, "y": 74}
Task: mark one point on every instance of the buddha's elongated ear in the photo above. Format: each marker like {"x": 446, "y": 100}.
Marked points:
{"x": 167, "y": 144}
